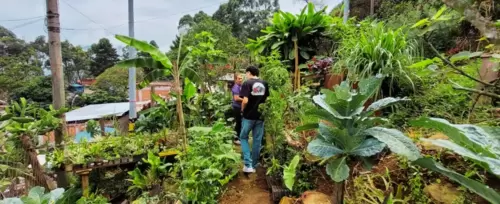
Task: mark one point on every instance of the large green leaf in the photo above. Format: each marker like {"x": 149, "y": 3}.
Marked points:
{"x": 493, "y": 163}
{"x": 383, "y": 103}
{"x": 305, "y": 127}
{"x": 396, "y": 141}
{"x": 11, "y": 201}
{"x": 189, "y": 89}
{"x": 369, "y": 86}
{"x": 321, "y": 148}
{"x": 144, "y": 46}
{"x": 289, "y": 172}
{"x": 476, "y": 187}
{"x": 369, "y": 147}
{"x": 468, "y": 136}
{"x": 338, "y": 169}
{"x": 422, "y": 63}
{"x": 320, "y": 100}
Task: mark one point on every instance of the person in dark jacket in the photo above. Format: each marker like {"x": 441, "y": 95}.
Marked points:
{"x": 254, "y": 92}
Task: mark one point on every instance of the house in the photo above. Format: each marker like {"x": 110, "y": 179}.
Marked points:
{"x": 112, "y": 117}
{"x": 160, "y": 88}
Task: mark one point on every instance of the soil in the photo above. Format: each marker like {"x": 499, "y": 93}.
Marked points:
{"x": 247, "y": 189}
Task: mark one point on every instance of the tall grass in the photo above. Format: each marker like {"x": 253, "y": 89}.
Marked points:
{"x": 376, "y": 50}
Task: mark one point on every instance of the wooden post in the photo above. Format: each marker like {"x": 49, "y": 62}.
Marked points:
{"x": 338, "y": 192}
{"x": 58, "y": 100}
{"x": 84, "y": 174}
{"x": 103, "y": 126}
{"x": 39, "y": 178}
{"x": 152, "y": 92}
{"x": 297, "y": 70}
{"x": 372, "y": 7}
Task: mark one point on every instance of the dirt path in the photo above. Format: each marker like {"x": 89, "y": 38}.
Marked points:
{"x": 247, "y": 189}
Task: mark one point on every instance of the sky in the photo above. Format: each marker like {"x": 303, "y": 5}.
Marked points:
{"x": 84, "y": 22}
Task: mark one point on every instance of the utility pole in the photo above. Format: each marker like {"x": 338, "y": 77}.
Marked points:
{"x": 372, "y": 7}
{"x": 346, "y": 10}
{"x": 58, "y": 100}
{"x": 131, "y": 71}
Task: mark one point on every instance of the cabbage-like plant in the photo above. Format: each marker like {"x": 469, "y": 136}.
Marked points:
{"x": 37, "y": 196}
{"x": 348, "y": 131}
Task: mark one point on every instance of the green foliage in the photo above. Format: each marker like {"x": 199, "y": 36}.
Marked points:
{"x": 475, "y": 186}
{"x": 109, "y": 148}
{"x": 290, "y": 171}
{"x": 304, "y": 28}
{"x": 205, "y": 60}
{"x": 466, "y": 140}
{"x": 347, "y": 130}
{"x": 37, "y": 90}
{"x": 113, "y": 81}
{"x": 407, "y": 13}
{"x": 209, "y": 163}
{"x": 246, "y": 18}
{"x": 92, "y": 127}
{"x": 19, "y": 63}
{"x": 436, "y": 96}
{"x": 157, "y": 118}
{"x": 98, "y": 96}
{"x": 152, "y": 179}
{"x": 374, "y": 189}
{"x": 376, "y": 50}
{"x": 37, "y": 195}
{"x": 22, "y": 118}
{"x": 275, "y": 108}
{"x": 103, "y": 56}
{"x": 92, "y": 199}
{"x": 227, "y": 42}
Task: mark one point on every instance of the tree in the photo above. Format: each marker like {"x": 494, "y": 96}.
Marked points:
{"x": 246, "y": 17}
{"x": 4, "y": 32}
{"x": 102, "y": 56}
{"x": 37, "y": 90}
{"x": 227, "y": 42}
{"x": 19, "y": 63}
{"x": 114, "y": 81}
{"x": 188, "y": 20}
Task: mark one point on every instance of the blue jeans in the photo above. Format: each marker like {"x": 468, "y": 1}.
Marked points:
{"x": 257, "y": 128}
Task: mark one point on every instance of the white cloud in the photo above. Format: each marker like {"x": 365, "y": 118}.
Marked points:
{"x": 155, "y": 19}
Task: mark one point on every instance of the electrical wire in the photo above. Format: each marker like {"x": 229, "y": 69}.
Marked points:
{"x": 25, "y": 24}
{"x": 144, "y": 20}
{"x": 90, "y": 19}
{"x": 22, "y": 19}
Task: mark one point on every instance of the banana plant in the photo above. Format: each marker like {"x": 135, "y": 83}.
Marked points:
{"x": 305, "y": 28}
{"x": 348, "y": 131}
{"x": 160, "y": 62}
{"x": 24, "y": 121}
{"x": 469, "y": 141}
{"x": 293, "y": 35}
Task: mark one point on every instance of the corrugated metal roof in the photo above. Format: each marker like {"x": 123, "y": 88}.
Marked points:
{"x": 98, "y": 111}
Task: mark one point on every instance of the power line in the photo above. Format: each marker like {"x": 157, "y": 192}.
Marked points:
{"x": 90, "y": 19}
{"x": 22, "y": 19}
{"x": 25, "y": 24}
{"x": 154, "y": 18}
